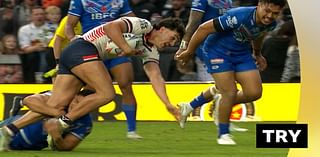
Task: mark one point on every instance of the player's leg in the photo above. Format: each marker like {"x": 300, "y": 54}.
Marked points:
{"x": 96, "y": 76}
{"x": 221, "y": 68}
{"x": 122, "y": 71}
{"x": 251, "y": 86}
{"x": 186, "y": 108}
{"x": 30, "y": 117}
{"x": 37, "y": 103}
{"x": 5, "y": 137}
{"x": 225, "y": 81}
{"x": 204, "y": 97}
{"x": 62, "y": 98}
{"x": 248, "y": 76}
{"x": 77, "y": 67}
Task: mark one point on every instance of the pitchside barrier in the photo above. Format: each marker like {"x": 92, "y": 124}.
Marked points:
{"x": 279, "y": 102}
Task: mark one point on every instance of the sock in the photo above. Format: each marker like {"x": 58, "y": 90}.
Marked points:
{"x": 130, "y": 112}
{"x": 12, "y": 129}
{"x": 198, "y": 101}
{"x": 223, "y": 129}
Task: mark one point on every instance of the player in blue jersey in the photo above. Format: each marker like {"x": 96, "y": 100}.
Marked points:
{"x": 35, "y": 136}
{"x": 234, "y": 55}
{"x": 202, "y": 11}
{"x": 92, "y": 13}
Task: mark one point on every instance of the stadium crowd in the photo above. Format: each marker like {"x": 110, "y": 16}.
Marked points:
{"x": 25, "y": 55}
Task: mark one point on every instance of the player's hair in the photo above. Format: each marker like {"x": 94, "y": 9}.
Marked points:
{"x": 174, "y": 24}
{"x": 280, "y": 3}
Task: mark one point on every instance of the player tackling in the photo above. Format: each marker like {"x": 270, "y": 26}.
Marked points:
{"x": 81, "y": 64}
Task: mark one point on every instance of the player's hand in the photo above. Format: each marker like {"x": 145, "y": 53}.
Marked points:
{"x": 131, "y": 52}
{"x": 179, "y": 51}
{"x": 183, "y": 57}
{"x": 174, "y": 111}
{"x": 261, "y": 62}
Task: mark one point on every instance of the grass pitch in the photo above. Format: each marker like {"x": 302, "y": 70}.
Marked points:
{"x": 161, "y": 139}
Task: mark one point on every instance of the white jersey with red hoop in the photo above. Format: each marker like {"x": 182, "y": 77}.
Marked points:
{"x": 137, "y": 28}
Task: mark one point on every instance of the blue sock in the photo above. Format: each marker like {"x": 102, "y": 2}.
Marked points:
{"x": 130, "y": 112}
{"x": 223, "y": 129}
{"x": 198, "y": 101}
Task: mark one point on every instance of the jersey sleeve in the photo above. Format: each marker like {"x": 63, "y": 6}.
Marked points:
{"x": 75, "y": 8}
{"x": 199, "y": 5}
{"x": 152, "y": 56}
{"x": 125, "y": 10}
{"x": 137, "y": 25}
{"x": 229, "y": 21}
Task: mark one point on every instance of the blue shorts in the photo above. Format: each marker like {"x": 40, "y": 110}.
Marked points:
{"x": 79, "y": 51}
{"x": 200, "y": 53}
{"x": 31, "y": 137}
{"x": 220, "y": 62}
{"x": 110, "y": 63}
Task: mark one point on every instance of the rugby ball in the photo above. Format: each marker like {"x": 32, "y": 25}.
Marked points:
{"x": 134, "y": 41}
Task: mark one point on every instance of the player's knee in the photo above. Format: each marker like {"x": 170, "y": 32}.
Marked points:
{"x": 230, "y": 95}
{"x": 256, "y": 96}
{"x": 125, "y": 85}
{"x": 252, "y": 96}
{"x": 27, "y": 100}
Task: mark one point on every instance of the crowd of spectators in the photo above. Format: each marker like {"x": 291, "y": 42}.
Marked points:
{"x": 27, "y": 26}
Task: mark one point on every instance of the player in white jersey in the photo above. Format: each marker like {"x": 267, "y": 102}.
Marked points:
{"x": 80, "y": 63}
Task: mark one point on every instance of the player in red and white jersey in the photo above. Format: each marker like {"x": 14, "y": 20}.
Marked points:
{"x": 139, "y": 35}
{"x": 80, "y": 63}
{"x": 138, "y": 31}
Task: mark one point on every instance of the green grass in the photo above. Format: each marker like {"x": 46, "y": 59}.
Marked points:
{"x": 161, "y": 139}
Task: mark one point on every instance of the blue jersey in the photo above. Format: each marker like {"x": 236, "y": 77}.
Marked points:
{"x": 238, "y": 28}
{"x": 211, "y": 8}
{"x": 33, "y": 137}
{"x": 93, "y": 13}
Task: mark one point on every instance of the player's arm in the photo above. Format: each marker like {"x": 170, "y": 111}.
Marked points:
{"x": 201, "y": 33}
{"x": 57, "y": 46}
{"x": 153, "y": 72}
{"x": 36, "y": 103}
{"x": 70, "y": 24}
{"x": 66, "y": 143}
{"x": 256, "y": 47}
{"x": 193, "y": 22}
{"x": 114, "y": 31}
